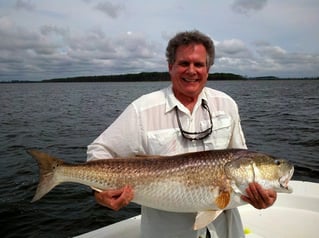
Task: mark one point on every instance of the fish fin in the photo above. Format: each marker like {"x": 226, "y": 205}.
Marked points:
{"x": 148, "y": 156}
{"x": 223, "y": 199}
{"x": 204, "y": 218}
{"x": 141, "y": 156}
{"x": 47, "y": 166}
{"x": 235, "y": 188}
{"x": 96, "y": 189}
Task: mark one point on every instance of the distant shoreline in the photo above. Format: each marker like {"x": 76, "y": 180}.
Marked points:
{"x": 148, "y": 77}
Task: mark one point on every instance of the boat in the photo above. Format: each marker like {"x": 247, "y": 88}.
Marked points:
{"x": 294, "y": 215}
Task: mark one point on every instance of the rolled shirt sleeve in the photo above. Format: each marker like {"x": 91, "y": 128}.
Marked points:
{"x": 121, "y": 139}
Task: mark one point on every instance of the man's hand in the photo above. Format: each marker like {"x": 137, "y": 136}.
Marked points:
{"x": 258, "y": 197}
{"x": 115, "y": 199}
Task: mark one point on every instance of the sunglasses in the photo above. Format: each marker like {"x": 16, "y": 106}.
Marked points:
{"x": 196, "y": 135}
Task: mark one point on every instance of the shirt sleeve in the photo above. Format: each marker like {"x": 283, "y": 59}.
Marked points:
{"x": 238, "y": 139}
{"x": 120, "y": 139}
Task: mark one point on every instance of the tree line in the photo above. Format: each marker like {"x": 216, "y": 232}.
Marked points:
{"x": 144, "y": 76}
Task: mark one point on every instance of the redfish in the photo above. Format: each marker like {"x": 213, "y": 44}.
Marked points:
{"x": 201, "y": 182}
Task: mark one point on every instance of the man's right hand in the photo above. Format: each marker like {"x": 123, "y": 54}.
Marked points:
{"x": 115, "y": 199}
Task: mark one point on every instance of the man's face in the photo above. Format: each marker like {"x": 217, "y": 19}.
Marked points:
{"x": 189, "y": 72}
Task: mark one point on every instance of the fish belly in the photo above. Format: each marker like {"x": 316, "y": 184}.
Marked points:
{"x": 175, "y": 197}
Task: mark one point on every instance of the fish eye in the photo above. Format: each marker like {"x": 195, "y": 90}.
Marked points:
{"x": 277, "y": 162}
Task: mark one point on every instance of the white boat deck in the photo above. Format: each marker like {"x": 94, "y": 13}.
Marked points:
{"x": 293, "y": 215}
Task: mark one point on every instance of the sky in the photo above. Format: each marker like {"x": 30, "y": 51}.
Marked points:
{"x": 45, "y": 39}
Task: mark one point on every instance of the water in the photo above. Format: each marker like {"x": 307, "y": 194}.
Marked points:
{"x": 278, "y": 117}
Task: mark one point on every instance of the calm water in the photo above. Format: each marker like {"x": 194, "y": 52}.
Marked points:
{"x": 278, "y": 117}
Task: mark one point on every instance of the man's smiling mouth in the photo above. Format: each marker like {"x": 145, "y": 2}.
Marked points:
{"x": 190, "y": 80}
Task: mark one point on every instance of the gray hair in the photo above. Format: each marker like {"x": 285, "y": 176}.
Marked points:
{"x": 187, "y": 38}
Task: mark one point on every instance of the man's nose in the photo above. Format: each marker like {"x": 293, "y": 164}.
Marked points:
{"x": 191, "y": 68}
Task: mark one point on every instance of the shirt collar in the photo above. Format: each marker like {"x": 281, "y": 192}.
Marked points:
{"x": 172, "y": 101}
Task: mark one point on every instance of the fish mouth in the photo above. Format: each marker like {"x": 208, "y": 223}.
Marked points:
{"x": 284, "y": 183}
{"x": 284, "y": 180}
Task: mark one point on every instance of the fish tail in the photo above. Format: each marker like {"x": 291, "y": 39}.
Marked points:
{"x": 47, "y": 166}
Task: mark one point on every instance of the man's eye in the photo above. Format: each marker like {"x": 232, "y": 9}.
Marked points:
{"x": 199, "y": 65}
{"x": 187, "y": 64}
{"x": 184, "y": 64}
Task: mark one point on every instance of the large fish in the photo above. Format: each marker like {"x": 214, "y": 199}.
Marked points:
{"x": 204, "y": 182}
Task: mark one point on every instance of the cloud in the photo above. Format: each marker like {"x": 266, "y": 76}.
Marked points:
{"x": 232, "y": 47}
{"x": 50, "y": 29}
{"x": 274, "y": 59}
{"x": 247, "y": 6}
{"x": 24, "y": 5}
{"x": 118, "y": 54}
{"x": 262, "y": 58}
{"x": 24, "y": 53}
{"x": 110, "y": 9}
{"x": 232, "y": 56}
{"x": 53, "y": 52}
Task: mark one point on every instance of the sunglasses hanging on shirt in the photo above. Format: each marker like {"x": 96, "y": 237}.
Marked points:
{"x": 196, "y": 135}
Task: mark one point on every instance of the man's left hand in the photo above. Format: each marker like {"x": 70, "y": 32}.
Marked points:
{"x": 258, "y": 197}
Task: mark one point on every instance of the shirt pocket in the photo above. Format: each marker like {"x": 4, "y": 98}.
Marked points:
{"x": 222, "y": 132}
{"x": 163, "y": 142}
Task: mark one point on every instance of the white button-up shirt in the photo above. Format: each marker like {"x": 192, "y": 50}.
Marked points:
{"x": 149, "y": 126}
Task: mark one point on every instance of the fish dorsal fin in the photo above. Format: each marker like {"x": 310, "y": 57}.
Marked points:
{"x": 204, "y": 218}
{"x": 223, "y": 199}
{"x": 141, "y": 156}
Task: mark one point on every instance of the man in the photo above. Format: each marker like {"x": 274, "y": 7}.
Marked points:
{"x": 185, "y": 117}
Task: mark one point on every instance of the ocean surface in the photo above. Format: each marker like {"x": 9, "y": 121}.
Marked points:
{"x": 278, "y": 117}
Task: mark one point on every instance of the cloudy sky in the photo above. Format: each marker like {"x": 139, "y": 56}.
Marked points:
{"x": 44, "y": 39}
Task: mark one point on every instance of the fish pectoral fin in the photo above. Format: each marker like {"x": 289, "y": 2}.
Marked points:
{"x": 223, "y": 199}
{"x": 204, "y": 218}
{"x": 235, "y": 188}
